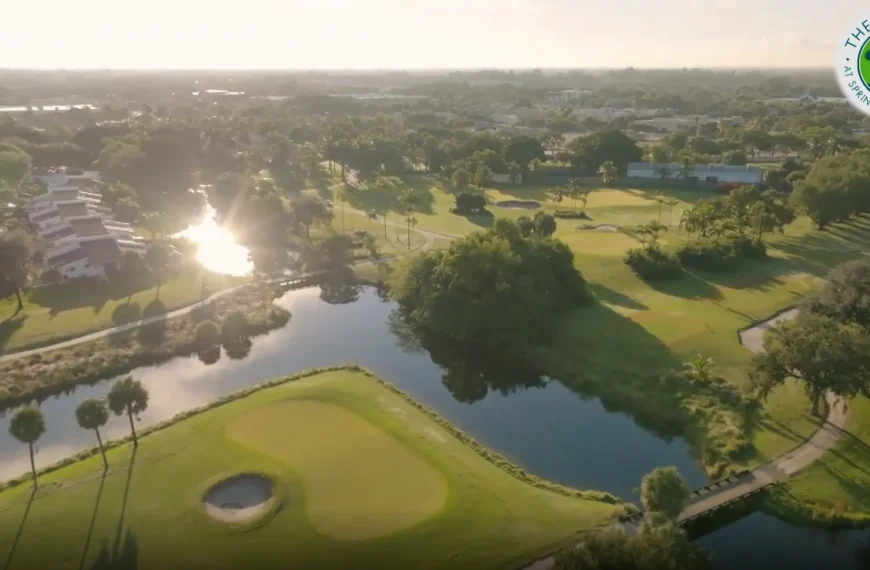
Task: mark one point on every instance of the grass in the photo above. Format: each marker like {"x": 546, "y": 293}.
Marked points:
{"x": 835, "y": 489}
{"x": 389, "y": 491}
{"x": 58, "y": 312}
{"x": 147, "y": 511}
{"x": 663, "y": 324}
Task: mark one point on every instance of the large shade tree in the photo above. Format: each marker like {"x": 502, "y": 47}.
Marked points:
{"x": 27, "y": 426}
{"x": 664, "y": 491}
{"x": 93, "y": 414}
{"x": 128, "y": 396}
{"x": 826, "y": 355}
{"x": 16, "y": 256}
{"x": 846, "y": 296}
{"x": 494, "y": 288}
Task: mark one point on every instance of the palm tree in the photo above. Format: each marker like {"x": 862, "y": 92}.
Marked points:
{"x": 557, "y": 199}
{"x": 584, "y": 197}
{"x": 699, "y": 368}
{"x": 663, "y": 172}
{"x": 342, "y": 198}
{"x": 130, "y": 397}
{"x": 515, "y": 172}
{"x": 93, "y": 414}
{"x": 412, "y": 221}
{"x": 643, "y": 232}
{"x": 653, "y": 230}
{"x": 27, "y": 426}
{"x": 670, "y": 203}
{"x": 687, "y": 169}
{"x": 608, "y": 172}
{"x": 659, "y": 198}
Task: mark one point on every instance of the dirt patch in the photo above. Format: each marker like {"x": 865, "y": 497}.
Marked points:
{"x": 519, "y": 204}
{"x": 242, "y": 498}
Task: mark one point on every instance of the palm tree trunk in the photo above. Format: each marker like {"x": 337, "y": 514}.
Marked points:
{"x": 132, "y": 427}
{"x": 342, "y": 218}
{"x": 816, "y": 397}
{"x": 102, "y": 450}
{"x": 32, "y": 464}
{"x": 20, "y": 302}
{"x": 409, "y": 234}
{"x": 385, "y": 224}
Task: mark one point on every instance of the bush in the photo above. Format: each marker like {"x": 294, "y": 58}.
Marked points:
{"x": 710, "y": 256}
{"x": 469, "y": 203}
{"x": 725, "y": 256}
{"x": 234, "y": 327}
{"x": 207, "y": 334}
{"x": 653, "y": 264}
{"x": 750, "y": 248}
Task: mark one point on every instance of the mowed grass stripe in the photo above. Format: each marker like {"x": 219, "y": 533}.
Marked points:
{"x": 359, "y": 482}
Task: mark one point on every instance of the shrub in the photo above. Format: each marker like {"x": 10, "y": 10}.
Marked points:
{"x": 469, "y": 203}
{"x": 653, "y": 264}
{"x": 750, "y": 248}
{"x": 234, "y": 327}
{"x": 710, "y": 256}
{"x": 207, "y": 334}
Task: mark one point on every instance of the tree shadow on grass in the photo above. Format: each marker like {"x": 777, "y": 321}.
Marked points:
{"x": 486, "y": 219}
{"x": 126, "y": 313}
{"x": 93, "y": 521}
{"x": 612, "y": 297}
{"x": 596, "y": 352}
{"x": 688, "y": 286}
{"x": 124, "y": 554}
{"x": 9, "y": 327}
{"x": 521, "y": 192}
{"x": 20, "y": 530}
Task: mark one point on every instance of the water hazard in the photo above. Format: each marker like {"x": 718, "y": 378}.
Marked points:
{"x": 534, "y": 420}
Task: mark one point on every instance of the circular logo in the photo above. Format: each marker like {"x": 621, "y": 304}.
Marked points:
{"x": 853, "y": 65}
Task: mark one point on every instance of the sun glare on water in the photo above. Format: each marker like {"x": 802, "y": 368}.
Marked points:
{"x": 217, "y": 249}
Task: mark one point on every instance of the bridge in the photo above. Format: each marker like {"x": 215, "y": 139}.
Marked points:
{"x": 719, "y": 494}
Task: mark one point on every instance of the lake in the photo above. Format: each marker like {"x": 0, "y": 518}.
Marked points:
{"x": 535, "y": 421}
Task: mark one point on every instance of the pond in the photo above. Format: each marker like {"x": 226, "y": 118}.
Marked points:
{"x": 535, "y": 421}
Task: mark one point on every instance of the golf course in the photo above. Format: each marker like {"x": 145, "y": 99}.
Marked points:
{"x": 358, "y": 472}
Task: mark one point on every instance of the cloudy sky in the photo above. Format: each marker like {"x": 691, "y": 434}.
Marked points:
{"x": 353, "y": 34}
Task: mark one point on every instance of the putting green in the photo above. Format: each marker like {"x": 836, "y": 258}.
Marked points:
{"x": 358, "y": 481}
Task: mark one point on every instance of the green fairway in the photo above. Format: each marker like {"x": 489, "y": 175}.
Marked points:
{"x": 359, "y": 482}
{"x": 58, "y": 312}
{"x": 661, "y": 325}
{"x": 363, "y": 478}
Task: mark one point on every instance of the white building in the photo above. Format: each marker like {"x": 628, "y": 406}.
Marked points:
{"x": 86, "y": 178}
{"x": 713, "y": 173}
{"x": 86, "y": 257}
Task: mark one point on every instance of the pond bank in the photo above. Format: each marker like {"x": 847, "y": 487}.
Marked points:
{"x": 152, "y": 341}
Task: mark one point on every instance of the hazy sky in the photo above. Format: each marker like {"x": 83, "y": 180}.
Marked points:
{"x": 347, "y": 34}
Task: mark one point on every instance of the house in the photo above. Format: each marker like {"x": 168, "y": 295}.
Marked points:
{"x": 86, "y": 257}
{"x": 69, "y": 178}
{"x": 713, "y": 173}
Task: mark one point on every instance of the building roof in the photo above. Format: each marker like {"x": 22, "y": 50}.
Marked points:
{"x": 88, "y": 227}
{"x": 698, "y": 168}
{"x": 59, "y": 232}
{"x": 46, "y": 215}
{"x": 101, "y": 251}
{"x": 66, "y": 257}
{"x": 68, "y": 210}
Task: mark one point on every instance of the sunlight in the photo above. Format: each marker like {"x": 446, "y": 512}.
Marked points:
{"x": 217, "y": 249}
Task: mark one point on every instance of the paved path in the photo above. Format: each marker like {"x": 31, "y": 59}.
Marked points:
{"x": 776, "y": 470}
{"x": 428, "y": 244}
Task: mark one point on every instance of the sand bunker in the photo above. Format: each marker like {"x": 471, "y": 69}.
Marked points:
{"x": 239, "y": 499}
{"x": 607, "y": 228}
{"x": 521, "y": 204}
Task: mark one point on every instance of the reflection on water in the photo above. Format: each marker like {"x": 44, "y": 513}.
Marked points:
{"x": 542, "y": 425}
{"x": 549, "y": 429}
{"x": 216, "y": 248}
